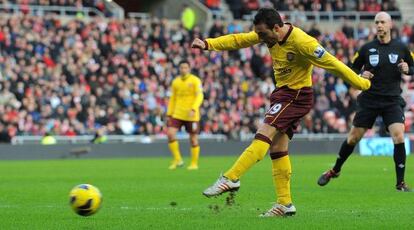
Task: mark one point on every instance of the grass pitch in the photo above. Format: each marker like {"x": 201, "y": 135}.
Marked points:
{"x": 142, "y": 193}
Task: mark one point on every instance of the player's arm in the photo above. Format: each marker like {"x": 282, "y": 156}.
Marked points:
{"x": 199, "y": 96}
{"x": 172, "y": 101}
{"x": 227, "y": 42}
{"x": 318, "y": 56}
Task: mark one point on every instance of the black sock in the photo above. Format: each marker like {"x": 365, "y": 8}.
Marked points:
{"x": 399, "y": 160}
{"x": 344, "y": 152}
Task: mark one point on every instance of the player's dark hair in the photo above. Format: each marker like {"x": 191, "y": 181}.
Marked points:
{"x": 268, "y": 16}
{"x": 183, "y": 62}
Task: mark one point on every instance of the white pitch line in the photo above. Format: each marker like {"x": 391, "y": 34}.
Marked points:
{"x": 10, "y": 206}
{"x": 175, "y": 208}
{"x": 156, "y": 208}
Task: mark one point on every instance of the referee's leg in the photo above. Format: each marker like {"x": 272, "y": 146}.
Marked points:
{"x": 394, "y": 119}
{"x": 397, "y": 133}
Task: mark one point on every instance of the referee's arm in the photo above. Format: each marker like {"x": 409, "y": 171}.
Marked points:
{"x": 358, "y": 61}
{"x": 410, "y": 62}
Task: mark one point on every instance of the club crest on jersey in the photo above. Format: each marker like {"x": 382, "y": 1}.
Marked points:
{"x": 393, "y": 58}
{"x": 374, "y": 59}
{"x": 319, "y": 52}
{"x": 290, "y": 56}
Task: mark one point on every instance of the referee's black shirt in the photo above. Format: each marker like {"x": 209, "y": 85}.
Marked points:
{"x": 382, "y": 60}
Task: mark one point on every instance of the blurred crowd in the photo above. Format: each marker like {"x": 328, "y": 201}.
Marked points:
{"x": 114, "y": 76}
{"x": 246, "y": 7}
{"x": 24, "y": 4}
{"x": 76, "y": 3}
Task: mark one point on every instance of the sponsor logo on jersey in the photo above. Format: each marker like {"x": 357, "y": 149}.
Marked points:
{"x": 393, "y": 58}
{"x": 284, "y": 70}
{"x": 374, "y": 59}
{"x": 319, "y": 52}
{"x": 372, "y": 50}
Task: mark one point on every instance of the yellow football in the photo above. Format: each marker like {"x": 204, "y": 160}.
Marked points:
{"x": 85, "y": 199}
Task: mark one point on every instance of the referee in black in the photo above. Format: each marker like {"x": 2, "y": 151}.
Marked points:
{"x": 382, "y": 60}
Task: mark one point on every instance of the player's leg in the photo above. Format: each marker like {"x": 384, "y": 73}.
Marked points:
{"x": 173, "y": 126}
{"x": 195, "y": 151}
{"x": 286, "y": 118}
{"x": 254, "y": 153}
{"x": 364, "y": 119}
{"x": 250, "y": 156}
{"x": 281, "y": 172}
{"x": 195, "y": 147}
{"x": 394, "y": 120}
{"x": 281, "y": 168}
{"x": 288, "y": 107}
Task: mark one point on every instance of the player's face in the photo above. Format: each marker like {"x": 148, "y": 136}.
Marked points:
{"x": 383, "y": 25}
{"x": 184, "y": 69}
{"x": 266, "y": 35}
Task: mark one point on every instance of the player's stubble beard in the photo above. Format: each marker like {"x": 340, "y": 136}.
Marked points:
{"x": 270, "y": 43}
{"x": 278, "y": 37}
{"x": 270, "y": 40}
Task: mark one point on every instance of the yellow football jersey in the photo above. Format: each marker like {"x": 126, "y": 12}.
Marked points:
{"x": 186, "y": 95}
{"x": 293, "y": 58}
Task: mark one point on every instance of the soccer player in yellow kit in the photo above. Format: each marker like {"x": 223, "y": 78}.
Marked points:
{"x": 293, "y": 53}
{"x": 184, "y": 110}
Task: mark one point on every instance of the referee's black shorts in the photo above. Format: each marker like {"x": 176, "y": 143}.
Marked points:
{"x": 391, "y": 109}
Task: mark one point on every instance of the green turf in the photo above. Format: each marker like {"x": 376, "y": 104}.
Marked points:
{"x": 138, "y": 193}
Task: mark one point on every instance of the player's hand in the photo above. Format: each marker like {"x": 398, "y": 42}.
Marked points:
{"x": 191, "y": 114}
{"x": 403, "y": 67}
{"x": 198, "y": 44}
{"x": 367, "y": 75}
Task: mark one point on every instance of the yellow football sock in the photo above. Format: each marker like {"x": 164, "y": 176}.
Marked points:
{"x": 281, "y": 171}
{"x": 175, "y": 150}
{"x": 195, "y": 152}
{"x": 252, "y": 154}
